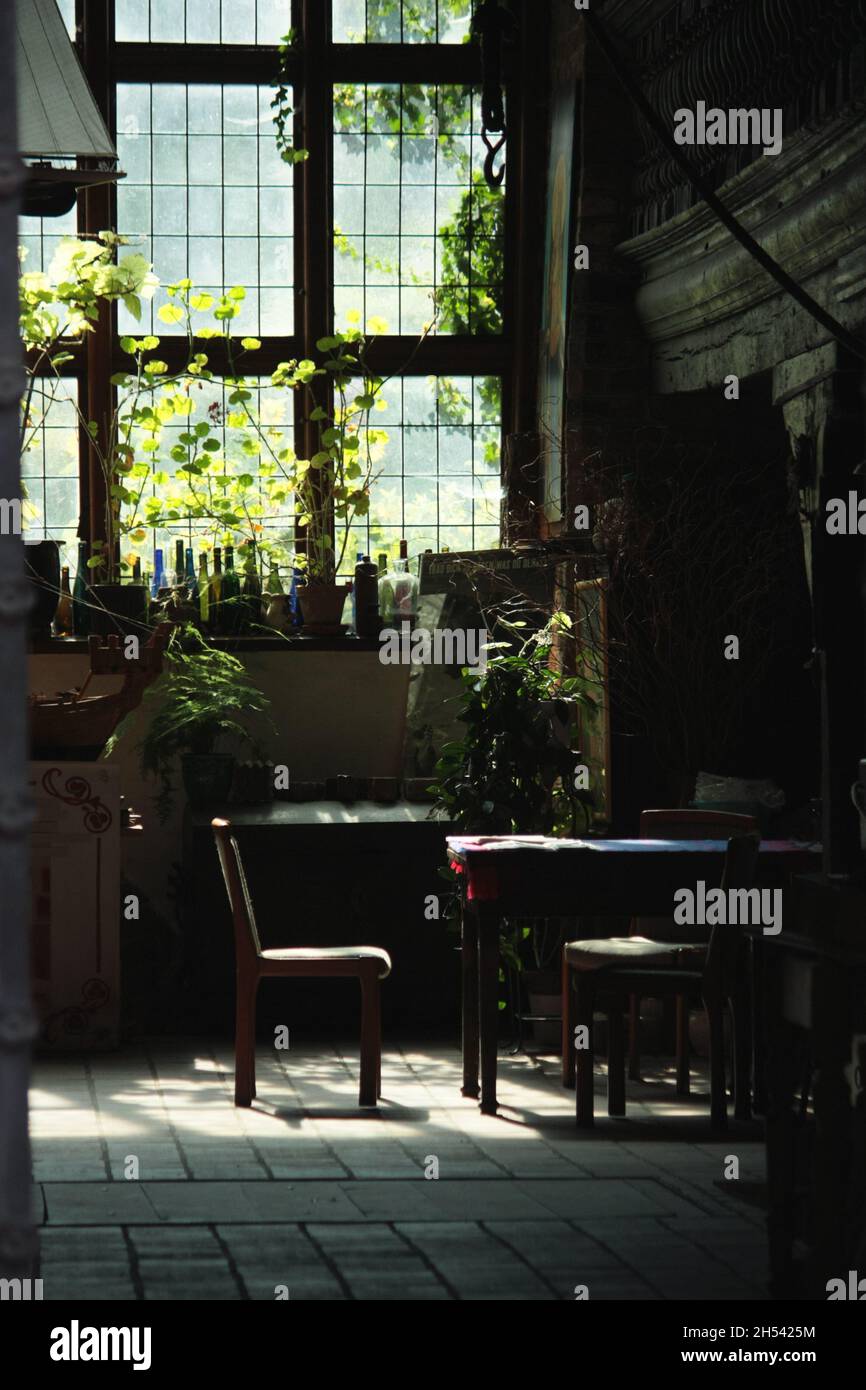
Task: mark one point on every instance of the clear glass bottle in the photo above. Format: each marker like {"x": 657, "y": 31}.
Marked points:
{"x": 398, "y": 593}
{"x": 277, "y": 608}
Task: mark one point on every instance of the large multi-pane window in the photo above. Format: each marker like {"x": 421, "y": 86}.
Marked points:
{"x": 386, "y": 221}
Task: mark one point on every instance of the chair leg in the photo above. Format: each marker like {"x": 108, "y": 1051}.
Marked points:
{"x": 634, "y": 1037}
{"x": 718, "y": 1093}
{"x": 682, "y": 1045}
{"x": 371, "y": 1039}
{"x": 567, "y": 1024}
{"x": 583, "y": 1090}
{"x": 742, "y": 1021}
{"x": 615, "y": 1060}
{"x": 245, "y": 1040}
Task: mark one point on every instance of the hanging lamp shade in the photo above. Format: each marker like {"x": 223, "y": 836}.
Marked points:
{"x": 58, "y": 119}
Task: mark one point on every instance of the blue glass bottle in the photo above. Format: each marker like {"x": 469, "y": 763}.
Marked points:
{"x": 159, "y": 579}
{"x": 294, "y": 606}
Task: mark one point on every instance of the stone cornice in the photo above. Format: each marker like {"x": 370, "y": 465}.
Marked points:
{"x": 805, "y": 208}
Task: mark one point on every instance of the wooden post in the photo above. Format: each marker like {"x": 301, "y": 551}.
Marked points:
{"x": 18, "y": 1244}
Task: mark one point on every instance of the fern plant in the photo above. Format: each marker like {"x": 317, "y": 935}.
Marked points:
{"x": 204, "y": 696}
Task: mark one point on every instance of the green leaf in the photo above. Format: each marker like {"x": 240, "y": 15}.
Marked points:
{"x": 251, "y": 344}
{"x": 170, "y": 313}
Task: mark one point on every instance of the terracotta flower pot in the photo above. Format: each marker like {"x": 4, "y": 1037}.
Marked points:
{"x": 322, "y": 604}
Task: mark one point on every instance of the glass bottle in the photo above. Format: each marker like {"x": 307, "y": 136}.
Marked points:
{"x": 398, "y": 593}
{"x": 276, "y": 612}
{"x": 215, "y": 592}
{"x": 159, "y": 579}
{"x": 203, "y": 590}
{"x": 81, "y": 594}
{"x": 294, "y": 606}
{"x": 359, "y": 560}
{"x": 252, "y": 588}
{"x": 366, "y": 595}
{"x": 179, "y": 568}
{"x": 63, "y": 621}
{"x": 232, "y": 615}
{"x": 189, "y": 578}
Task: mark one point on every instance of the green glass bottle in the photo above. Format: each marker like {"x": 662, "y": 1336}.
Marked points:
{"x": 203, "y": 590}
{"x": 252, "y": 589}
{"x": 214, "y": 598}
{"x": 230, "y": 597}
{"x": 81, "y": 595}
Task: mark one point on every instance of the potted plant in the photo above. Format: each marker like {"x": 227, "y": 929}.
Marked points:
{"x": 57, "y": 308}
{"x": 514, "y": 771}
{"x": 204, "y": 698}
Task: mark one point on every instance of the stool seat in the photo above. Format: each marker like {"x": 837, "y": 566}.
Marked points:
{"x": 623, "y": 950}
{"x": 333, "y": 953}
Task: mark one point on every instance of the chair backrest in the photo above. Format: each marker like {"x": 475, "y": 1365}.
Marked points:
{"x": 247, "y": 944}
{"x": 686, "y": 823}
{"x": 693, "y": 823}
{"x": 720, "y": 968}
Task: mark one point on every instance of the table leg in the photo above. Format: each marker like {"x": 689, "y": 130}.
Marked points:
{"x": 469, "y": 960}
{"x": 488, "y": 1002}
{"x": 759, "y": 1026}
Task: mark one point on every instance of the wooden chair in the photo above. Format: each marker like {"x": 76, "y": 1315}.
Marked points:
{"x": 656, "y": 969}
{"x": 369, "y": 963}
{"x": 677, "y": 823}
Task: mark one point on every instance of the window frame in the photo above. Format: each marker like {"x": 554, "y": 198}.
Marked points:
{"x": 312, "y": 69}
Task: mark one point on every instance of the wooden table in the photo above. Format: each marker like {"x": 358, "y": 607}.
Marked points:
{"x": 533, "y": 876}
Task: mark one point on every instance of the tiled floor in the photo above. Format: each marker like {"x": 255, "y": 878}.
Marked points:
{"x": 151, "y": 1185}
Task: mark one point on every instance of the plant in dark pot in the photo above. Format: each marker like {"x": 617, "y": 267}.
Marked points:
{"x": 204, "y": 700}
{"x": 515, "y": 771}
{"x": 42, "y": 567}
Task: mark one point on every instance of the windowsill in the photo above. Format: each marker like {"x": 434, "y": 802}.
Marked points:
{"x": 77, "y": 646}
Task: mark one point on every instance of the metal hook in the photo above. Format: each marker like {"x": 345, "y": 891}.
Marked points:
{"x": 493, "y": 178}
